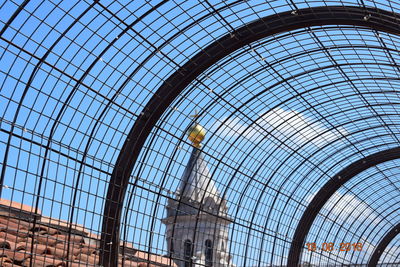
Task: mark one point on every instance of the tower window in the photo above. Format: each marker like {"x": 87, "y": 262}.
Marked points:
{"x": 188, "y": 252}
{"x": 209, "y": 252}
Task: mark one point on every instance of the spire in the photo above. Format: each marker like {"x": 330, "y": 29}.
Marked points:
{"x": 197, "y": 184}
{"x": 197, "y": 200}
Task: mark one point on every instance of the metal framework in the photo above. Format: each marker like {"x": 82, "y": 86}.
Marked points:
{"x": 300, "y": 101}
{"x": 382, "y": 245}
{"x": 327, "y": 191}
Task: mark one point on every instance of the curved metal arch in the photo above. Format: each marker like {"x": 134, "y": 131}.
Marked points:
{"x": 325, "y": 193}
{"x": 165, "y": 176}
{"x": 395, "y": 258}
{"x": 242, "y": 194}
{"x": 282, "y": 22}
{"x": 363, "y": 233}
{"x": 373, "y": 261}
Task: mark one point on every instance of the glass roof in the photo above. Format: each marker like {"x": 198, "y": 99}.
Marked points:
{"x": 284, "y": 114}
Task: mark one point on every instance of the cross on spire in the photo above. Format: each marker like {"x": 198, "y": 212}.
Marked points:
{"x": 195, "y": 116}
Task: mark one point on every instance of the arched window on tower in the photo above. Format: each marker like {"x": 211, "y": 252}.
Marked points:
{"x": 209, "y": 252}
{"x": 188, "y": 252}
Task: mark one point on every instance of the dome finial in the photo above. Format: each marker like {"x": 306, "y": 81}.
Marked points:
{"x": 196, "y": 132}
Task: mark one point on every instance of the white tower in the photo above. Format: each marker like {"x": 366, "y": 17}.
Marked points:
{"x": 197, "y": 220}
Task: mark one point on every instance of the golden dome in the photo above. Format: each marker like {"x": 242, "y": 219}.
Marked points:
{"x": 196, "y": 134}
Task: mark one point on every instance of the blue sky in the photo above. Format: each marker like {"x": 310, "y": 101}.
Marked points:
{"x": 276, "y": 126}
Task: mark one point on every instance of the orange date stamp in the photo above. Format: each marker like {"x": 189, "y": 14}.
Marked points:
{"x": 331, "y": 247}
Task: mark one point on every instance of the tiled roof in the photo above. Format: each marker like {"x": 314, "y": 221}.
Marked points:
{"x": 45, "y": 242}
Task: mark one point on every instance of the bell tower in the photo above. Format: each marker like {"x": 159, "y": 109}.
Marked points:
{"x": 197, "y": 220}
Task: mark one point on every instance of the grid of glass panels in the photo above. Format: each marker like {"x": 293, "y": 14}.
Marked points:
{"x": 283, "y": 115}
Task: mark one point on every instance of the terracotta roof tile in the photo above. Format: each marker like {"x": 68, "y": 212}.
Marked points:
{"x": 23, "y": 245}
{"x": 6, "y": 244}
{"x": 89, "y": 250}
{"x": 91, "y": 259}
{"x": 18, "y": 206}
{"x": 16, "y": 256}
{"x": 79, "y": 264}
{"x": 45, "y": 230}
{"x": 153, "y": 258}
{"x": 129, "y": 263}
{"x": 61, "y": 251}
{"x": 44, "y": 260}
{"x": 14, "y": 224}
{"x": 45, "y": 242}
{"x": 11, "y": 237}
{"x": 36, "y": 249}
{"x": 63, "y": 224}
{"x": 4, "y": 259}
{"x": 75, "y": 239}
{"x": 6, "y": 264}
